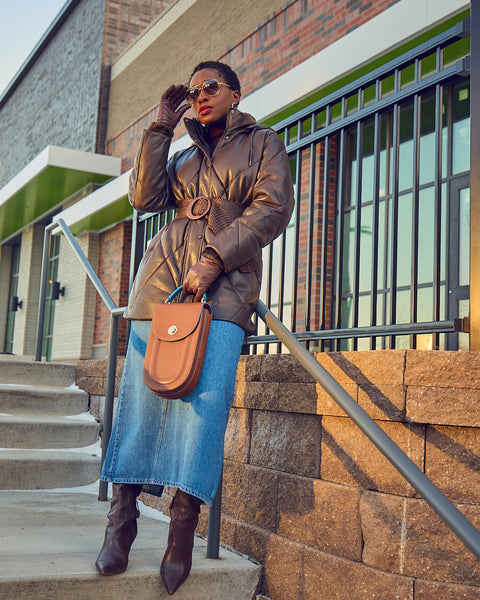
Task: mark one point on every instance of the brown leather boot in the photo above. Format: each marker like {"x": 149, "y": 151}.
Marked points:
{"x": 177, "y": 562}
{"x": 121, "y": 529}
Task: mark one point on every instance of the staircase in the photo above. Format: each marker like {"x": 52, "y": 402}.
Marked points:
{"x": 51, "y": 522}
{"x": 47, "y": 437}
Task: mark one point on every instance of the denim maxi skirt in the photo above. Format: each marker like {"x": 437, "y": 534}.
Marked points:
{"x": 178, "y": 443}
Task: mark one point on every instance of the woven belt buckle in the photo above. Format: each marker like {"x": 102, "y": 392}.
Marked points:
{"x": 189, "y": 211}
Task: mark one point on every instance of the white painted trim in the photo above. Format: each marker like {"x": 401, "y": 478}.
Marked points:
{"x": 54, "y": 156}
{"x": 108, "y": 194}
{"x": 394, "y": 26}
{"x": 150, "y": 35}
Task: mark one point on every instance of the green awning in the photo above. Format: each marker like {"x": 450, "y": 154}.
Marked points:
{"x": 44, "y": 185}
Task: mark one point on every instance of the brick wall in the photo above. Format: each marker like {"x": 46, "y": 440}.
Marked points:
{"x": 306, "y": 494}
{"x": 124, "y": 21}
{"x": 114, "y": 255}
{"x": 286, "y": 36}
{"x": 57, "y": 101}
{"x": 199, "y": 33}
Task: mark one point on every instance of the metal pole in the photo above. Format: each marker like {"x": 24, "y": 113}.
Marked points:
{"x": 432, "y": 495}
{"x": 43, "y": 293}
{"x": 214, "y": 520}
{"x": 474, "y": 175}
{"x": 109, "y": 397}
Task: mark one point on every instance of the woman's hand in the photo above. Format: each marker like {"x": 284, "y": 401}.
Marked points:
{"x": 200, "y": 277}
{"x": 169, "y": 113}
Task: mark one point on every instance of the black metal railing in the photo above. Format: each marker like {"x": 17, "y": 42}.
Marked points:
{"x": 369, "y": 247}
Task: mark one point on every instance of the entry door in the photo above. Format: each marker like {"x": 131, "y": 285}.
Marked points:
{"x": 12, "y": 292}
{"x": 458, "y": 300}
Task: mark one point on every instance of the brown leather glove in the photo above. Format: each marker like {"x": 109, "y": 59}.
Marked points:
{"x": 200, "y": 277}
{"x": 169, "y": 113}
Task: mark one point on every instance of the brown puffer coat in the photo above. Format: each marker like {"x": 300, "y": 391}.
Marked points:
{"x": 247, "y": 180}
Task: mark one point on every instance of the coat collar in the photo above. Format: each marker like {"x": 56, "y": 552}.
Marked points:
{"x": 237, "y": 122}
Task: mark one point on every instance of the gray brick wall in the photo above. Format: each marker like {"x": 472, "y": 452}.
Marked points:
{"x": 57, "y": 101}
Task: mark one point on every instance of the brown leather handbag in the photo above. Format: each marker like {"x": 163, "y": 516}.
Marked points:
{"x": 176, "y": 346}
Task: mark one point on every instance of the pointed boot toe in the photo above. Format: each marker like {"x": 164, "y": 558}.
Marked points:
{"x": 177, "y": 562}
{"x": 173, "y": 575}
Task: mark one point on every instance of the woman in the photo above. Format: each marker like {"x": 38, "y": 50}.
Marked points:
{"x": 233, "y": 194}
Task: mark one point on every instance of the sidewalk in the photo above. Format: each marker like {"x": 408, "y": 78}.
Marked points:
{"x": 49, "y": 541}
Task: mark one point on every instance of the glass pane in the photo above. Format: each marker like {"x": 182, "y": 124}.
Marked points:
{"x": 464, "y": 238}
{"x": 385, "y": 176}
{"x": 382, "y": 244}
{"x": 351, "y": 168}
{"x": 461, "y": 129}
{"x": 404, "y": 251}
{"x": 368, "y": 162}
{"x": 364, "y": 311}
{"x": 403, "y": 306}
{"x": 425, "y": 304}
{"x": 463, "y": 338}
{"x": 426, "y": 239}
{"x": 443, "y": 234}
{"x": 405, "y": 151}
{"x": 425, "y": 341}
{"x": 290, "y": 266}
{"x": 427, "y": 140}
{"x": 348, "y": 252}
{"x": 365, "y": 275}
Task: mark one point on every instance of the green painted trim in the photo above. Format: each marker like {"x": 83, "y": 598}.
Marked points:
{"x": 365, "y": 69}
{"x": 105, "y": 217}
{"x": 42, "y": 197}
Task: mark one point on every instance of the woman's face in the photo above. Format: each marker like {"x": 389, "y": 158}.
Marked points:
{"x": 212, "y": 110}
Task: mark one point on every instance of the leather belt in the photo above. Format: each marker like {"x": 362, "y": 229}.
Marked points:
{"x": 219, "y": 212}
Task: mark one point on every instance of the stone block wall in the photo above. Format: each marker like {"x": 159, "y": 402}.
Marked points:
{"x": 306, "y": 493}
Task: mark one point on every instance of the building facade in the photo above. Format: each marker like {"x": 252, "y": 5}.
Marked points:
{"x": 373, "y": 101}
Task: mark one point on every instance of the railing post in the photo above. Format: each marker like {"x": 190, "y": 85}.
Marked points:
{"x": 109, "y": 396}
{"x": 214, "y": 521}
{"x": 43, "y": 293}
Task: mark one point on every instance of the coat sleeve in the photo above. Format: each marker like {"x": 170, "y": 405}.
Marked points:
{"x": 268, "y": 214}
{"x": 149, "y": 187}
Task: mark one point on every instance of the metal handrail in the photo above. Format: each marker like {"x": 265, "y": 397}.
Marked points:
{"x": 213, "y": 539}
{"x": 430, "y": 493}
{"x": 115, "y": 313}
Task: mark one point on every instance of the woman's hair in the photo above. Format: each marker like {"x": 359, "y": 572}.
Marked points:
{"x": 227, "y": 72}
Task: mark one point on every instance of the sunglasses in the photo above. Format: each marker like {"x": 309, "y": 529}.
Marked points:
{"x": 210, "y": 87}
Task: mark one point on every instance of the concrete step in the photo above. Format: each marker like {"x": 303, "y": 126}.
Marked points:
{"x": 24, "y": 431}
{"x": 50, "y": 541}
{"x": 46, "y": 469}
{"x": 14, "y": 370}
{"x": 36, "y": 399}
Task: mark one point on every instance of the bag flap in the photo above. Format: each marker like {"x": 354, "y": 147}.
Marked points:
{"x": 174, "y": 322}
